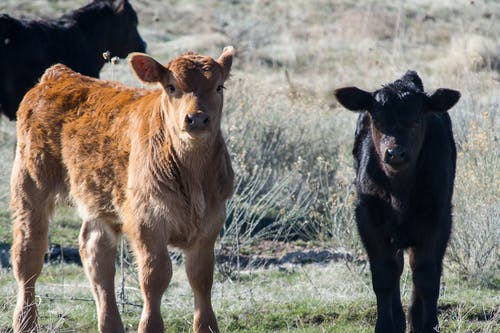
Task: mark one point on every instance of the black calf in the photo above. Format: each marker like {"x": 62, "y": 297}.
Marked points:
{"x": 78, "y": 40}
{"x": 405, "y": 160}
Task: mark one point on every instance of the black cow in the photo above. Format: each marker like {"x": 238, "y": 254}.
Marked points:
{"x": 405, "y": 159}
{"x": 77, "y": 39}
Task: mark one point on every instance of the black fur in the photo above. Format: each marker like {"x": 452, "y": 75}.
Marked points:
{"x": 77, "y": 39}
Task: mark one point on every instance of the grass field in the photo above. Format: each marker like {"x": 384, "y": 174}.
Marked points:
{"x": 290, "y": 145}
{"x": 317, "y": 298}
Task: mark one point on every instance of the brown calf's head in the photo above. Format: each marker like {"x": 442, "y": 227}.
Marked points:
{"x": 398, "y": 113}
{"x": 192, "y": 90}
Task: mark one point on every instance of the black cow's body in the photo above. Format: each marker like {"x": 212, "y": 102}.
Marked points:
{"x": 405, "y": 159}
{"x": 78, "y": 40}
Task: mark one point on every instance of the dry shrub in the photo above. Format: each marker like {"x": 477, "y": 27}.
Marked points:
{"x": 367, "y": 23}
{"x": 475, "y": 244}
{"x": 474, "y": 52}
{"x": 286, "y": 155}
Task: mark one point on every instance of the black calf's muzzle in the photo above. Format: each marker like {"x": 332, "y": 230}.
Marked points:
{"x": 395, "y": 155}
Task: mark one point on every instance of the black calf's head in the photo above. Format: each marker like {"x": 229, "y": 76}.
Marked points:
{"x": 112, "y": 26}
{"x": 124, "y": 27}
{"x": 398, "y": 113}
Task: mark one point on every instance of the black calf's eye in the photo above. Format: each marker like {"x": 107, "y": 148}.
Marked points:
{"x": 378, "y": 125}
{"x": 171, "y": 88}
{"x": 220, "y": 88}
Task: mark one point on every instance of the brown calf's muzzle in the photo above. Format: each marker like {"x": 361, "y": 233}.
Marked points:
{"x": 196, "y": 122}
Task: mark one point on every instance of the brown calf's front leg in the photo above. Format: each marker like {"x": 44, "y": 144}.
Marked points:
{"x": 98, "y": 251}
{"x": 31, "y": 208}
{"x": 200, "y": 269}
{"x": 155, "y": 272}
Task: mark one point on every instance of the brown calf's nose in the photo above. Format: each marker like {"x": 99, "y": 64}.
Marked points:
{"x": 196, "y": 121}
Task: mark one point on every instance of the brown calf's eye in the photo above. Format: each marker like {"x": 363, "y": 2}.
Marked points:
{"x": 171, "y": 88}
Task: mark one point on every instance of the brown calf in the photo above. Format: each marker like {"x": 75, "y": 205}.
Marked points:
{"x": 149, "y": 163}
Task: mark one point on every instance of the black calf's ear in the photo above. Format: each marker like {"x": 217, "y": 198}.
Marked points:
{"x": 354, "y": 99}
{"x": 442, "y": 100}
{"x": 117, "y": 5}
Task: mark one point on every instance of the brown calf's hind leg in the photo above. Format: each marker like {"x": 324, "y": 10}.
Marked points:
{"x": 199, "y": 269}
{"x": 31, "y": 209}
{"x": 98, "y": 251}
{"x": 155, "y": 272}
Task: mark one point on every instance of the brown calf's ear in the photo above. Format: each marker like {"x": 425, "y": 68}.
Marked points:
{"x": 354, "y": 99}
{"x": 146, "y": 68}
{"x": 226, "y": 60}
{"x": 442, "y": 100}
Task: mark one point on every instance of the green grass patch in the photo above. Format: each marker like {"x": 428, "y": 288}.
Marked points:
{"x": 254, "y": 304}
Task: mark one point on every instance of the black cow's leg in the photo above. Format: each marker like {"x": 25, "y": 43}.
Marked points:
{"x": 415, "y": 316}
{"x": 397, "y": 308}
{"x": 415, "y": 319}
{"x": 426, "y": 279}
{"x": 385, "y": 279}
{"x": 385, "y": 267}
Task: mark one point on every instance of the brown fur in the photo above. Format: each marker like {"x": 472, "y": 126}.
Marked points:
{"x": 130, "y": 163}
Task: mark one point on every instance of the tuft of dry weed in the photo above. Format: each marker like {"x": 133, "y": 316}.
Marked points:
{"x": 475, "y": 246}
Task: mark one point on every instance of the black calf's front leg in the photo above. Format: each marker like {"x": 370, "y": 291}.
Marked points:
{"x": 385, "y": 279}
{"x": 422, "y": 316}
{"x": 386, "y": 264}
{"x": 397, "y": 307}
